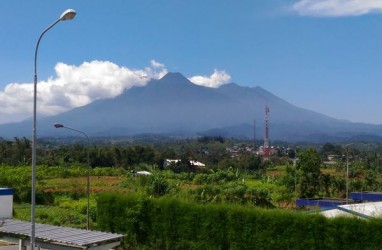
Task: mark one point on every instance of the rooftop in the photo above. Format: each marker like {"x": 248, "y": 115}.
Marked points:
{"x": 55, "y": 237}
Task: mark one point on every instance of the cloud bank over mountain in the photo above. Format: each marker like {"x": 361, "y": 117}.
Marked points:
{"x": 217, "y": 79}
{"x": 75, "y": 86}
{"x": 173, "y": 106}
{"x": 335, "y": 8}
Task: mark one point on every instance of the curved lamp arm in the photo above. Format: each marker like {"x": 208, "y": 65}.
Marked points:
{"x": 58, "y": 125}
{"x": 66, "y": 15}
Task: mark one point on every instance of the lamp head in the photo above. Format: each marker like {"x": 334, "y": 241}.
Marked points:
{"x": 68, "y": 14}
{"x": 58, "y": 125}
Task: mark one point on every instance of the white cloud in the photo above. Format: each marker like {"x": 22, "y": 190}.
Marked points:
{"x": 156, "y": 64}
{"x": 75, "y": 86}
{"x": 333, "y": 8}
{"x": 72, "y": 87}
{"x": 215, "y": 80}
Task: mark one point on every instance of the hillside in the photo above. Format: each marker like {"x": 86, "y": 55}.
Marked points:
{"x": 175, "y": 106}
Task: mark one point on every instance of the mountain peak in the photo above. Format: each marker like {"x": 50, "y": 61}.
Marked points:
{"x": 174, "y": 77}
{"x": 173, "y": 105}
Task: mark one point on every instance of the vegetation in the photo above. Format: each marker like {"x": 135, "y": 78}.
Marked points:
{"x": 309, "y": 164}
{"x": 169, "y": 223}
{"x": 234, "y": 178}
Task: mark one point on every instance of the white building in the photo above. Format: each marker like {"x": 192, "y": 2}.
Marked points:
{"x": 168, "y": 162}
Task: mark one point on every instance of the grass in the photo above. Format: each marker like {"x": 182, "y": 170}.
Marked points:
{"x": 53, "y": 215}
{"x": 97, "y": 184}
{"x": 276, "y": 171}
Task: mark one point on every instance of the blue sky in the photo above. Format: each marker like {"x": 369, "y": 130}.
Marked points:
{"x": 323, "y": 55}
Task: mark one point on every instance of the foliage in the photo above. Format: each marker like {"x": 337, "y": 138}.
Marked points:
{"x": 157, "y": 185}
{"x": 191, "y": 204}
{"x": 168, "y": 223}
{"x": 309, "y": 164}
{"x": 52, "y": 215}
{"x": 16, "y": 153}
{"x": 331, "y": 149}
{"x": 17, "y": 178}
{"x": 229, "y": 178}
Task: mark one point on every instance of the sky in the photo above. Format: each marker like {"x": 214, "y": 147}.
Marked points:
{"x": 322, "y": 55}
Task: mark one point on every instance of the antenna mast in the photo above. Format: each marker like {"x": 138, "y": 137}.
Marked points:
{"x": 266, "y": 132}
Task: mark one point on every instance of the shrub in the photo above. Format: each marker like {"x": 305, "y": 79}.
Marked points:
{"x": 158, "y": 185}
{"x": 167, "y": 223}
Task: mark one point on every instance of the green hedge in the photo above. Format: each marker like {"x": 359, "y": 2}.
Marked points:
{"x": 167, "y": 223}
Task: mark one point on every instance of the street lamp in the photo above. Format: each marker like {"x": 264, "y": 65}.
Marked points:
{"x": 58, "y": 125}
{"x": 347, "y": 171}
{"x": 66, "y": 15}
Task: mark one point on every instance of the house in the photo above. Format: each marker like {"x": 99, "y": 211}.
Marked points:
{"x": 168, "y": 162}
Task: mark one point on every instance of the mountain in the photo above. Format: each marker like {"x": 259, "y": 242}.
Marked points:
{"x": 173, "y": 105}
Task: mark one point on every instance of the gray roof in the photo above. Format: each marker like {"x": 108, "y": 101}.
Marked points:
{"x": 60, "y": 237}
{"x": 363, "y": 210}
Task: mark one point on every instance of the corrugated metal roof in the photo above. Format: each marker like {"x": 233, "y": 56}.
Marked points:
{"x": 363, "y": 210}
{"x": 64, "y": 236}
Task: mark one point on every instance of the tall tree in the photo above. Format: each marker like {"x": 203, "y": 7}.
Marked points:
{"x": 309, "y": 163}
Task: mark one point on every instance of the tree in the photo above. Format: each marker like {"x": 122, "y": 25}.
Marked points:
{"x": 158, "y": 185}
{"x": 249, "y": 162}
{"x": 309, "y": 163}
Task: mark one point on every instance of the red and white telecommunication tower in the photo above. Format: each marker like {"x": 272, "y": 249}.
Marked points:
{"x": 266, "y": 149}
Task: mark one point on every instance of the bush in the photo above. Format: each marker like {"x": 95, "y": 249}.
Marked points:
{"x": 235, "y": 193}
{"x": 52, "y": 215}
{"x": 167, "y": 223}
{"x": 158, "y": 185}
{"x": 201, "y": 179}
{"x": 206, "y": 194}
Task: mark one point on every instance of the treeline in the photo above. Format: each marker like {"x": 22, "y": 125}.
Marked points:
{"x": 311, "y": 178}
{"x": 168, "y": 223}
{"x": 212, "y": 151}
{"x": 19, "y": 151}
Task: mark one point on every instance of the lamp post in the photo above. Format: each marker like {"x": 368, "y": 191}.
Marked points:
{"x": 69, "y": 14}
{"x": 347, "y": 175}
{"x": 58, "y": 125}
{"x": 347, "y": 171}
